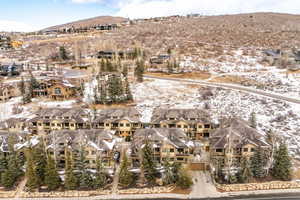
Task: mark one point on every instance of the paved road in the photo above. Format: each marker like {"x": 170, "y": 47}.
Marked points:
{"x": 231, "y": 86}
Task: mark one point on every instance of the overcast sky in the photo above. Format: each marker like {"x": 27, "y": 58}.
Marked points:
{"x": 29, "y": 15}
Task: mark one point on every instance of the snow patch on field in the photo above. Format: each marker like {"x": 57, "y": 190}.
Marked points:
{"x": 283, "y": 118}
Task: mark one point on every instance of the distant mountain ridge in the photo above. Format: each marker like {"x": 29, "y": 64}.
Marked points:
{"x": 88, "y": 22}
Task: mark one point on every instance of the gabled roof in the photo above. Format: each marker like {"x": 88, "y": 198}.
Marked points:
{"x": 116, "y": 114}
{"x": 175, "y": 137}
{"x": 192, "y": 115}
{"x": 238, "y": 133}
{"x": 96, "y": 138}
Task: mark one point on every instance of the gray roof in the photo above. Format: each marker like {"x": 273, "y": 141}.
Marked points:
{"x": 97, "y": 138}
{"x": 117, "y": 114}
{"x": 239, "y": 133}
{"x": 175, "y": 137}
{"x": 190, "y": 115}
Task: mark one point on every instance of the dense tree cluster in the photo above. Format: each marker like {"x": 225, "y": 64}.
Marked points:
{"x": 257, "y": 168}
{"x": 139, "y": 70}
{"x": 112, "y": 88}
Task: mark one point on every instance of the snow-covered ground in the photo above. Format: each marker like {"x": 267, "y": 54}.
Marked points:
{"x": 268, "y": 78}
{"x": 15, "y": 109}
{"x": 283, "y": 118}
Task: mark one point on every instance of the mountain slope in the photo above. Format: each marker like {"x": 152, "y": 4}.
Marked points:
{"x": 89, "y": 22}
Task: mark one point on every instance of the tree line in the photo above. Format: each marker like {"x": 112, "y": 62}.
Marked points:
{"x": 41, "y": 169}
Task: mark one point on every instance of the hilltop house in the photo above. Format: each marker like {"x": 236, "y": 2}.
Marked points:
{"x": 5, "y": 42}
{"x": 168, "y": 145}
{"x": 234, "y": 141}
{"x": 125, "y": 121}
{"x": 282, "y": 58}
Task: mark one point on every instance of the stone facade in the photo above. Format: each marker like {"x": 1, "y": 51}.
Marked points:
{"x": 259, "y": 186}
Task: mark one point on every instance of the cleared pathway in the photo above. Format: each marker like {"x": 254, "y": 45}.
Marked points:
{"x": 233, "y": 87}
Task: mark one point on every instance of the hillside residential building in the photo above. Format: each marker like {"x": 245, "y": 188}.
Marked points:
{"x": 233, "y": 142}
{"x": 7, "y": 92}
{"x": 50, "y": 119}
{"x": 195, "y": 123}
{"x": 125, "y": 121}
{"x": 14, "y": 125}
{"x": 168, "y": 145}
{"x": 56, "y": 89}
{"x": 94, "y": 143}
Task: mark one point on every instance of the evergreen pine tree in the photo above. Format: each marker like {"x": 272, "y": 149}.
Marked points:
{"x": 8, "y": 179}
{"x": 246, "y": 173}
{"x": 252, "y": 120}
{"x": 31, "y": 175}
{"x": 3, "y": 164}
{"x": 40, "y": 161}
{"x": 128, "y": 93}
{"x": 184, "y": 179}
{"x": 71, "y": 181}
{"x": 22, "y": 89}
{"x": 100, "y": 177}
{"x": 52, "y": 179}
{"x": 257, "y": 164}
{"x": 103, "y": 94}
{"x": 282, "y": 169}
{"x": 14, "y": 165}
{"x": 85, "y": 177}
{"x": 139, "y": 71}
{"x": 148, "y": 164}
{"x": 126, "y": 177}
{"x": 169, "y": 67}
{"x": 171, "y": 173}
{"x": 63, "y": 53}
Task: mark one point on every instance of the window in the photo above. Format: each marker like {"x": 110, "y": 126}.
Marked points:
{"x": 200, "y": 126}
{"x": 178, "y": 126}
{"x": 185, "y": 126}
{"x": 219, "y": 150}
{"x": 180, "y": 159}
{"x": 206, "y": 126}
{"x": 127, "y": 125}
{"x": 57, "y": 91}
{"x": 252, "y": 149}
{"x": 206, "y": 135}
{"x": 171, "y": 150}
{"x": 121, "y": 125}
{"x": 245, "y": 149}
{"x": 106, "y": 124}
